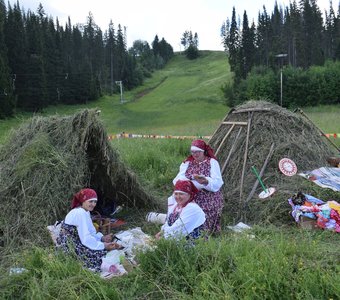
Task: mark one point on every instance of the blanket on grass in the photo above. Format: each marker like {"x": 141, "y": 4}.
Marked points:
{"x": 324, "y": 177}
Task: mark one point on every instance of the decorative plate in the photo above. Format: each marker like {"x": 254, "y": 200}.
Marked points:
{"x": 287, "y": 167}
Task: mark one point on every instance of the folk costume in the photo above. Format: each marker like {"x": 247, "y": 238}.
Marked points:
{"x": 183, "y": 220}
{"x": 78, "y": 234}
{"x": 209, "y": 197}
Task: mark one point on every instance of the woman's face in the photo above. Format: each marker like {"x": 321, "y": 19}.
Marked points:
{"x": 198, "y": 155}
{"x": 181, "y": 198}
{"x": 89, "y": 205}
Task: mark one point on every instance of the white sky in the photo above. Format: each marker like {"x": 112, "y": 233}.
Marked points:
{"x": 144, "y": 19}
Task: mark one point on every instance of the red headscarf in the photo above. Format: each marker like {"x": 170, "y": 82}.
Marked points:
{"x": 82, "y": 196}
{"x": 186, "y": 186}
{"x": 208, "y": 151}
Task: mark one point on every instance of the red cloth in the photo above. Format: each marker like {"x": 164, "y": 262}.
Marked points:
{"x": 208, "y": 151}
{"x": 186, "y": 186}
{"x": 82, "y": 196}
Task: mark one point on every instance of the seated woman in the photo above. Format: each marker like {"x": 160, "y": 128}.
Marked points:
{"x": 184, "y": 218}
{"x": 79, "y": 235}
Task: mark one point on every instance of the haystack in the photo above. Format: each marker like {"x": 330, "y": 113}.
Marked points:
{"x": 260, "y": 134}
{"x": 49, "y": 159}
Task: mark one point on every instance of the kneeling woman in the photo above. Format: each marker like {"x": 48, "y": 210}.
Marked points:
{"x": 79, "y": 235}
{"x": 184, "y": 218}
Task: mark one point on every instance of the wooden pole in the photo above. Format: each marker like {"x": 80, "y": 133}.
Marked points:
{"x": 231, "y": 150}
{"x": 225, "y": 137}
{"x": 245, "y": 156}
{"x": 323, "y": 134}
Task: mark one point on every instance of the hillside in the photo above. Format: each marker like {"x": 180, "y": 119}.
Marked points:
{"x": 184, "y": 92}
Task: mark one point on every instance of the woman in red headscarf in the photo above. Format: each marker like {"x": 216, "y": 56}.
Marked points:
{"x": 203, "y": 169}
{"x": 79, "y": 235}
{"x": 185, "y": 218}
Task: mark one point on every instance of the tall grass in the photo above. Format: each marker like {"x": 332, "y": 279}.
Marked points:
{"x": 264, "y": 263}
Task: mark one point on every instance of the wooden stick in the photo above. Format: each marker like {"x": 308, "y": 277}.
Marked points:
{"x": 235, "y": 123}
{"x": 251, "y": 110}
{"x": 226, "y": 116}
{"x": 225, "y": 137}
{"x": 323, "y": 134}
{"x": 251, "y": 194}
{"x": 231, "y": 150}
{"x": 245, "y": 156}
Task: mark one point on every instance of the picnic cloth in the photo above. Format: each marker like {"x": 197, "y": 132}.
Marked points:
{"x": 324, "y": 177}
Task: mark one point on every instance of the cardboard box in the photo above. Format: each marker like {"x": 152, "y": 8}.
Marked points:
{"x": 307, "y": 223}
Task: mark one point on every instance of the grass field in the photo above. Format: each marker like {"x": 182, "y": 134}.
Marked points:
{"x": 265, "y": 263}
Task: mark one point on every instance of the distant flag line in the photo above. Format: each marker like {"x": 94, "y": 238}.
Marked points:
{"x": 180, "y": 137}
{"x": 155, "y": 136}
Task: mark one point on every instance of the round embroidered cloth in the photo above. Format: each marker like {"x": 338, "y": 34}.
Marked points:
{"x": 287, "y": 167}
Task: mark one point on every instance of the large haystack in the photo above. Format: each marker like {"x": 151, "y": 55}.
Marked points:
{"x": 259, "y": 134}
{"x": 49, "y": 159}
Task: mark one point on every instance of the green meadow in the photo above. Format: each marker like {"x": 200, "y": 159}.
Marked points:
{"x": 267, "y": 262}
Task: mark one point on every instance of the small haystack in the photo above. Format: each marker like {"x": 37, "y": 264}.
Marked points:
{"x": 49, "y": 159}
{"x": 260, "y": 134}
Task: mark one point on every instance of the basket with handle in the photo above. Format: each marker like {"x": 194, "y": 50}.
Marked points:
{"x": 103, "y": 223}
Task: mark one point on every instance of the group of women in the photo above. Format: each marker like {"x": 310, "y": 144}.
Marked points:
{"x": 194, "y": 209}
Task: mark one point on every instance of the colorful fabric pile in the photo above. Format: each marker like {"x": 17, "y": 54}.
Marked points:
{"x": 326, "y": 214}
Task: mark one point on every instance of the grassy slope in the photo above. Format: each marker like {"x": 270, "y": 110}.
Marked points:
{"x": 185, "y": 98}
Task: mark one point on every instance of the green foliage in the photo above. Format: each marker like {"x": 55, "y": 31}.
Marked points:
{"x": 192, "y": 52}
{"x": 300, "y": 88}
{"x": 261, "y": 84}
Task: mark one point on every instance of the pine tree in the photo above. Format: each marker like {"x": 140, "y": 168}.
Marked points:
{"x": 16, "y": 41}
{"x": 34, "y": 96}
{"x": 263, "y": 38}
{"x": 233, "y": 45}
{"x": 6, "y": 97}
{"x": 312, "y": 29}
{"x": 247, "y": 51}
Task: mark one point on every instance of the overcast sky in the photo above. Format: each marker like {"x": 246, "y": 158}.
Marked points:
{"x": 144, "y": 19}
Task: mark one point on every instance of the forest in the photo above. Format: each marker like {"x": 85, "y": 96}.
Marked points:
{"x": 299, "y": 39}
{"x": 43, "y": 63}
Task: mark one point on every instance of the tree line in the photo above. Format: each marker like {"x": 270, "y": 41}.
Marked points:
{"x": 44, "y": 63}
{"x": 296, "y": 36}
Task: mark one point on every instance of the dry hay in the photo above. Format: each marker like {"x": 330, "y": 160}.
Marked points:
{"x": 292, "y": 136}
{"x": 49, "y": 159}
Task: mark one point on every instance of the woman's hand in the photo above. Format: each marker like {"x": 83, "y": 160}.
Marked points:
{"x": 107, "y": 238}
{"x": 158, "y": 235}
{"x": 201, "y": 179}
{"x": 112, "y": 246}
